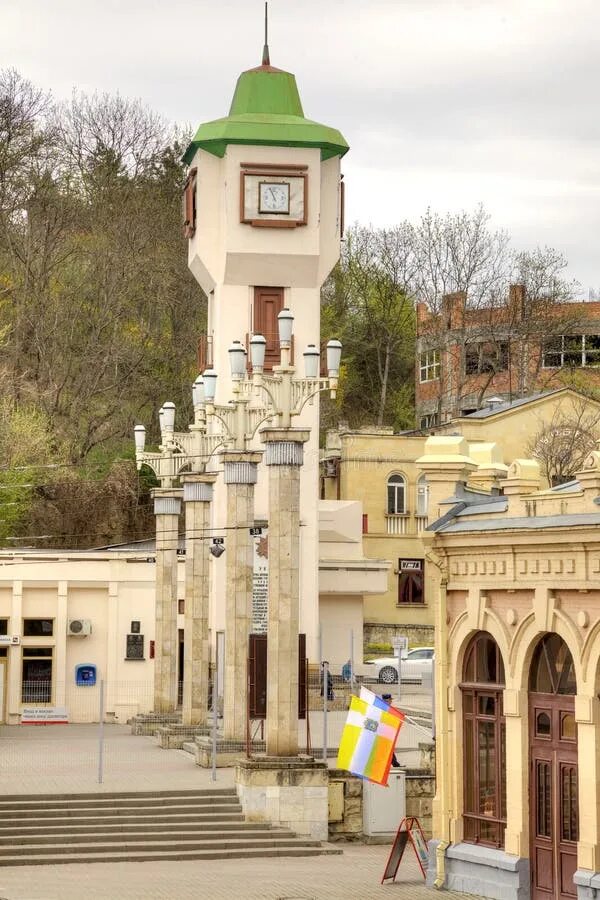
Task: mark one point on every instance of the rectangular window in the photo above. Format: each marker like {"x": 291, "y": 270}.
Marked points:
{"x": 486, "y": 358}
{"x": 3, "y": 626}
{"x": 36, "y": 684}
{"x": 429, "y": 365}
{"x": 410, "y": 582}
{"x": 429, "y": 420}
{"x": 574, "y": 350}
{"x": 268, "y": 303}
{"x": 38, "y": 627}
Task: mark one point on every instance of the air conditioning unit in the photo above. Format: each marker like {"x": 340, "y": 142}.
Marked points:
{"x": 79, "y": 627}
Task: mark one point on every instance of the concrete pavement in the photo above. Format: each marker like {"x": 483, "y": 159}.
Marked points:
{"x": 355, "y": 875}
{"x": 54, "y": 759}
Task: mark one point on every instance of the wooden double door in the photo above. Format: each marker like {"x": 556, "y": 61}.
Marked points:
{"x": 553, "y": 796}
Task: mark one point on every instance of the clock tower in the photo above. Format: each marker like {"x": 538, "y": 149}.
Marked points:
{"x": 264, "y": 219}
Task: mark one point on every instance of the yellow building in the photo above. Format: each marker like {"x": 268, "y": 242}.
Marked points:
{"x": 514, "y": 580}
{"x": 380, "y": 469}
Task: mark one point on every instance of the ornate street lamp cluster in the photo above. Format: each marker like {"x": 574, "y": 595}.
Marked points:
{"x": 257, "y": 398}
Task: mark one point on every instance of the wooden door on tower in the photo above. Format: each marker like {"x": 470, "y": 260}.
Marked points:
{"x": 554, "y": 808}
{"x": 268, "y": 303}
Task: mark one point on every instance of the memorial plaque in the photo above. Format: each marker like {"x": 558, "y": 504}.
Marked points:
{"x": 135, "y": 646}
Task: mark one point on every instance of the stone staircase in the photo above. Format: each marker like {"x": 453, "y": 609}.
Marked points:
{"x": 135, "y": 827}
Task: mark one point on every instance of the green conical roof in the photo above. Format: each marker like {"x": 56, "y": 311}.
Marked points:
{"x": 266, "y": 109}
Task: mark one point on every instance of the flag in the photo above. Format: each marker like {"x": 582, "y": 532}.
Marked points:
{"x": 369, "y": 737}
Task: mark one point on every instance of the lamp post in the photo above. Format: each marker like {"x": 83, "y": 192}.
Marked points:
{"x": 286, "y": 395}
{"x": 182, "y": 456}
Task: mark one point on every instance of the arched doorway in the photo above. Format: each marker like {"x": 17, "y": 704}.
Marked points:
{"x": 554, "y": 813}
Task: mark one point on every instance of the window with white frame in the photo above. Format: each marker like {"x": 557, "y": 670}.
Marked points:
{"x": 575, "y": 350}
{"x": 422, "y": 496}
{"x": 396, "y": 495}
{"x": 429, "y": 365}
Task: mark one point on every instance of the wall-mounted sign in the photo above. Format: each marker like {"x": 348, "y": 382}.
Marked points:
{"x": 135, "y": 627}
{"x": 9, "y": 639}
{"x": 44, "y": 715}
{"x": 135, "y": 646}
{"x": 260, "y": 581}
{"x": 411, "y": 565}
{"x": 85, "y": 675}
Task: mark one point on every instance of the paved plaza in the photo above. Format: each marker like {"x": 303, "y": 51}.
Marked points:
{"x": 53, "y": 759}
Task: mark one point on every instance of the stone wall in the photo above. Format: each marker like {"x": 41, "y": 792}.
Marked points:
{"x": 345, "y": 806}
{"x": 384, "y": 632}
{"x": 346, "y": 802}
{"x": 420, "y": 790}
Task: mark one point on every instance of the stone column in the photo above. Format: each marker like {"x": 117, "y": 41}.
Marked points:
{"x": 240, "y": 474}
{"x": 167, "y": 506}
{"x": 284, "y": 457}
{"x": 197, "y": 496}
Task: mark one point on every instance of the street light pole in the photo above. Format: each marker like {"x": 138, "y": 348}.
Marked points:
{"x": 182, "y": 457}
{"x": 257, "y": 400}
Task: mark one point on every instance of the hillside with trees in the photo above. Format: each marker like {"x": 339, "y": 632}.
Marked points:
{"x": 100, "y": 317}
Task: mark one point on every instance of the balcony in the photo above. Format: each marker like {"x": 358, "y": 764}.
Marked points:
{"x": 422, "y": 523}
{"x": 397, "y": 523}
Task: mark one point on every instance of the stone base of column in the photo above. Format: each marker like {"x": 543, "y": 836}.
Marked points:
{"x": 149, "y": 723}
{"x": 173, "y": 737}
{"x": 228, "y": 752}
{"x": 291, "y": 792}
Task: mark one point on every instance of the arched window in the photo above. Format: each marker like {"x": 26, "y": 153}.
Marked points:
{"x": 396, "y": 495}
{"x": 422, "y": 495}
{"x": 484, "y": 743}
{"x": 552, "y": 669}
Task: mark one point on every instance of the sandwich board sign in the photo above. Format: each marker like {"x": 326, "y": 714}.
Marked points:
{"x": 409, "y": 832}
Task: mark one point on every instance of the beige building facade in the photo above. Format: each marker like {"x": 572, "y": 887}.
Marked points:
{"x": 515, "y": 583}
{"x": 63, "y": 610}
{"x": 380, "y": 469}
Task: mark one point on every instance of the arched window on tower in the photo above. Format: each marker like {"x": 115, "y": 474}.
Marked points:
{"x": 484, "y": 757}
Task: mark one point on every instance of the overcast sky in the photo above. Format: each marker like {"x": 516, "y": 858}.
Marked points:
{"x": 445, "y": 103}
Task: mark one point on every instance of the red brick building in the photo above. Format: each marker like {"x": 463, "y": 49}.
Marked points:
{"x": 518, "y": 347}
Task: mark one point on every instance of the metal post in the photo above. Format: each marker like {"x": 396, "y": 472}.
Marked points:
{"x": 351, "y": 660}
{"x": 215, "y": 715}
{"x": 325, "y": 667}
{"x": 101, "y": 734}
{"x": 399, "y": 672}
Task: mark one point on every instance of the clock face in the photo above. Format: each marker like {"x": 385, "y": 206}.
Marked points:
{"x": 274, "y": 197}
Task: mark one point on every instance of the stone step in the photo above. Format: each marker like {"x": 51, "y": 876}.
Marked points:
{"x": 118, "y": 827}
{"x": 100, "y": 812}
{"x": 117, "y": 803}
{"x": 121, "y": 795}
{"x": 171, "y": 843}
{"x": 150, "y": 837}
{"x": 76, "y": 820}
{"x": 175, "y": 855}
{"x": 148, "y": 833}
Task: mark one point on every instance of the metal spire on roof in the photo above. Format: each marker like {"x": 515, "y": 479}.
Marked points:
{"x": 265, "y": 57}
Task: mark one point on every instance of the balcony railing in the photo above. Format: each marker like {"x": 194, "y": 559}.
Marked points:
{"x": 397, "y": 523}
{"x": 422, "y": 523}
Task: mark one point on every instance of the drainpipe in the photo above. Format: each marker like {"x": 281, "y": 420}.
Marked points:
{"x": 440, "y": 864}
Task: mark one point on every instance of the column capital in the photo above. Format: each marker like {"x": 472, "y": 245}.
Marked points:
{"x": 240, "y": 466}
{"x": 167, "y": 501}
{"x": 198, "y": 486}
{"x": 285, "y": 446}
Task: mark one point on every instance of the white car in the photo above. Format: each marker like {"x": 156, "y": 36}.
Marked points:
{"x": 415, "y": 664}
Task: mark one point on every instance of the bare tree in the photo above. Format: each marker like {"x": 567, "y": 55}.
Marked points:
{"x": 562, "y": 444}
